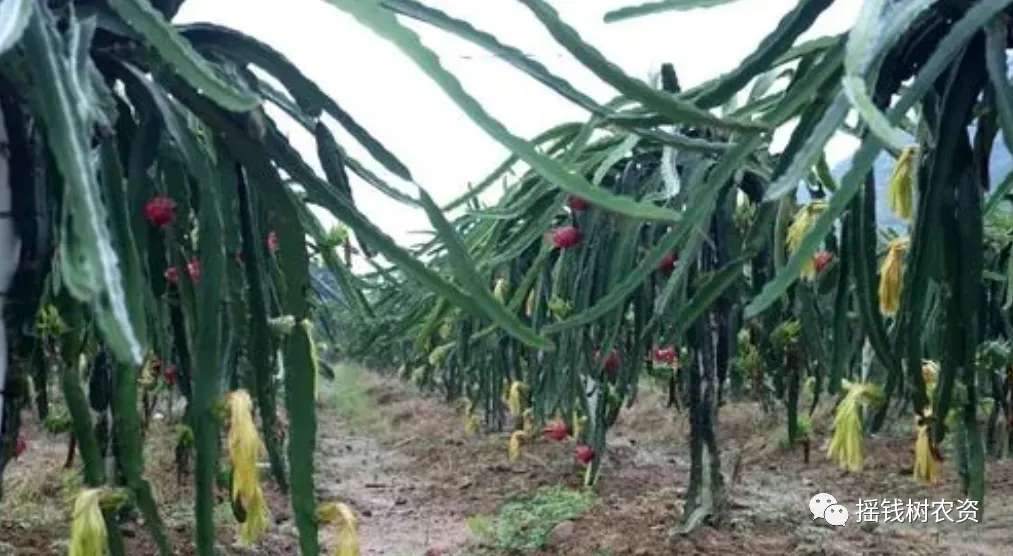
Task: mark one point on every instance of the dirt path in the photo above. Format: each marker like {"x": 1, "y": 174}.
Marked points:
{"x": 401, "y": 461}
{"x": 362, "y": 460}
{"x": 379, "y": 483}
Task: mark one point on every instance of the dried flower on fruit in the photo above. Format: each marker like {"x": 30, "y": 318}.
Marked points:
{"x": 514, "y": 450}
{"x": 281, "y": 326}
{"x": 499, "y": 291}
{"x": 890, "y": 274}
{"x": 88, "y": 534}
{"x": 846, "y": 444}
{"x": 244, "y": 448}
{"x": 348, "y": 527}
{"x": 800, "y": 226}
{"x": 928, "y": 464}
{"x": 900, "y": 191}
{"x": 515, "y": 403}
{"x": 470, "y": 419}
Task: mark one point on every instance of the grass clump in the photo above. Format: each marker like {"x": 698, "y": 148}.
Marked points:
{"x": 347, "y": 396}
{"x": 522, "y": 525}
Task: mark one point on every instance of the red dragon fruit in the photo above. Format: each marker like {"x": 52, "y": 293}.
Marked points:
{"x": 566, "y": 237}
{"x": 667, "y": 264}
{"x": 577, "y": 204}
{"x": 822, "y": 259}
{"x": 556, "y": 430}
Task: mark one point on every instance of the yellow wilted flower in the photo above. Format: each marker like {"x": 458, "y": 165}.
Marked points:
{"x": 148, "y": 371}
{"x": 48, "y": 321}
{"x": 930, "y": 370}
{"x": 281, "y": 326}
{"x": 88, "y": 533}
{"x": 890, "y": 276}
{"x": 900, "y": 191}
{"x": 514, "y": 451}
{"x": 846, "y": 443}
{"x": 810, "y": 385}
{"x": 244, "y": 449}
{"x": 529, "y": 421}
{"x": 529, "y": 304}
{"x": 577, "y": 424}
{"x": 439, "y": 354}
{"x": 514, "y": 402}
{"x": 418, "y": 376}
{"x": 800, "y": 226}
{"x": 257, "y": 516}
{"x": 470, "y": 419}
{"x": 927, "y": 461}
{"x": 500, "y": 290}
{"x": 348, "y": 527}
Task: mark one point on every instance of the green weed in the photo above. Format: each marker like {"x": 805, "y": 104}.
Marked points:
{"x": 346, "y": 395}
{"x": 523, "y": 525}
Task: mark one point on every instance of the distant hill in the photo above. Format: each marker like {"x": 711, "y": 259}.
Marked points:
{"x": 1000, "y": 165}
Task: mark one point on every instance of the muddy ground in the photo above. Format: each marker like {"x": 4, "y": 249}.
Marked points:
{"x": 402, "y": 462}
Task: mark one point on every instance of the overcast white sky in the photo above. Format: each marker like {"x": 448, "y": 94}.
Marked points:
{"x": 395, "y": 101}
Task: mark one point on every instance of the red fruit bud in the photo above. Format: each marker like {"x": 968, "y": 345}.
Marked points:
{"x": 172, "y": 275}
{"x": 566, "y": 237}
{"x": 666, "y": 354}
{"x": 434, "y": 551}
{"x": 822, "y": 259}
{"x": 577, "y": 204}
{"x": 584, "y": 455}
{"x": 170, "y": 375}
{"x": 20, "y": 447}
{"x": 556, "y": 430}
{"x": 160, "y": 211}
{"x": 193, "y": 269}
{"x": 272, "y": 241}
{"x": 612, "y": 363}
{"x": 667, "y": 264}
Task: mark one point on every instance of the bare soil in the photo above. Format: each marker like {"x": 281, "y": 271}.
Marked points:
{"x": 403, "y": 464}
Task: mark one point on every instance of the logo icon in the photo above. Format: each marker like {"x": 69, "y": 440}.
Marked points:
{"x": 824, "y": 506}
{"x": 836, "y": 515}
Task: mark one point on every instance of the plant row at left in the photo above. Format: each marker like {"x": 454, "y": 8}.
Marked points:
{"x": 153, "y": 249}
